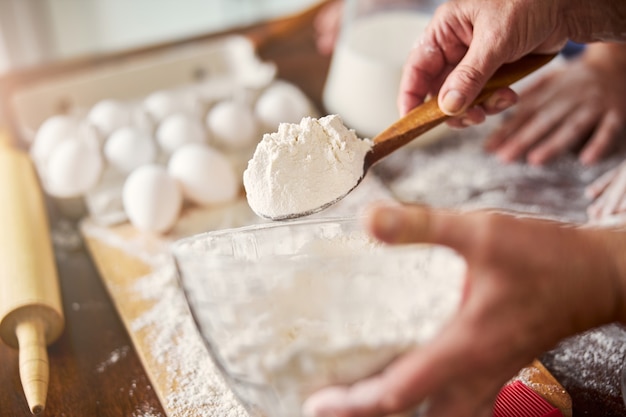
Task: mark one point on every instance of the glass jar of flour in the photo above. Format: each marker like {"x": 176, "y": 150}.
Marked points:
{"x": 375, "y": 39}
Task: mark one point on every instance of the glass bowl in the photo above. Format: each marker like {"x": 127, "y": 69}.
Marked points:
{"x": 288, "y": 308}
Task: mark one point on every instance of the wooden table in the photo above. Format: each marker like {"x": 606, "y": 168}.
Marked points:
{"x": 95, "y": 370}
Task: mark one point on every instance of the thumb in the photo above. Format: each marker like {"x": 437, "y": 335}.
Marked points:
{"x": 417, "y": 224}
{"x": 467, "y": 79}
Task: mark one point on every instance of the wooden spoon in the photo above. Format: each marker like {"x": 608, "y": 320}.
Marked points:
{"x": 427, "y": 116}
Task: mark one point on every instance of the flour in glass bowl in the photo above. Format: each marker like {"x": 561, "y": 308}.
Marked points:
{"x": 282, "y": 330}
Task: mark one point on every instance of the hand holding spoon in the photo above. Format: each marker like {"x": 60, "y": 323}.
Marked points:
{"x": 418, "y": 121}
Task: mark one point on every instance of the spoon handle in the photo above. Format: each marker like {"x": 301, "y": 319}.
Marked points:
{"x": 428, "y": 115}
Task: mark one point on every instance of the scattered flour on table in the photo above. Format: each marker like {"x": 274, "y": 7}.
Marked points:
{"x": 196, "y": 384}
{"x": 304, "y": 166}
{"x": 147, "y": 411}
{"x": 593, "y": 360}
{"x": 457, "y": 172}
{"x": 115, "y": 356}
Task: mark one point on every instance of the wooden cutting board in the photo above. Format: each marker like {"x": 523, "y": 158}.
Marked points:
{"x": 138, "y": 273}
{"x": 129, "y": 261}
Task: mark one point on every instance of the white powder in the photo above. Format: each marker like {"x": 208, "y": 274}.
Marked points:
{"x": 195, "y": 386}
{"x": 146, "y": 411}
{"x": 303, "y": 167}
{"x": 285, "y": 329}
{"x": 590, "y": 366}
{"x": 113, "y": 358}
{"x": 186, "y": 379}
{"x": 457, "y": 172}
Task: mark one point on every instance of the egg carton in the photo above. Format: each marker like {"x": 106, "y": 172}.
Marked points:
{"x": 216, "y": 67}
{"x": 220, "y": 94}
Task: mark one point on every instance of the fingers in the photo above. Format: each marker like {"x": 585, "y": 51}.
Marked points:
{"x": 603, "y": 140}
{"x": 361, "y": 398}
{"x": 468, "y": 78}
{"x": 615, "y": 195}
{"x": 599, "y": 185}
{"x": 553, "y": 121}
{"x": 413, "y": 224}
{"x": 541, "y": 131}
{"x": 471, "y": 117}
{"x": 499, "y": 137}
{"x": 560, "y": 110}
{"x": 424, "y": 64}
{"x": 531, "y": 99}
{"x": 566, "y": 136}
{"x": 499, "y": 101}
{"x": 429, "y": 377}
{"x": 407, "y": 384}
{"x": 433, "y": 56}
{"x": 325, "y": 402}
{"x": 611, "y": 188}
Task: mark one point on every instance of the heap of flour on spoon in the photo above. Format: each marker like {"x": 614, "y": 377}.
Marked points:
{"x": 304, "y": 167}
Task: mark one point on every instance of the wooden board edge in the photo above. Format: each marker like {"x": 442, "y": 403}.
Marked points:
{"x": 115, "y": 267}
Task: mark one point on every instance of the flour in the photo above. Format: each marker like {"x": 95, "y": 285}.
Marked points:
{"x": 113, "y": 358}
{"x": 589, "y": 366}
{"x": 195, "y": 384}
{"x": 303, "y": 167}
{"x": 146, "y": 411}
{"x": 183, "y": 373}
{"x": 290, "y": 318}
{"x": 457, "y": 172}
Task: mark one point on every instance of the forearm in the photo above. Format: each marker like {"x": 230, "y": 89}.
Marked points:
{"x": 596, "y": 20}
{"x": 619, "y": 252}
{"x": 588, "y": 282}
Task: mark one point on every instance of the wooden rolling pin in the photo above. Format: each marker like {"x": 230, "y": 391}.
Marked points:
{"x": 31, "y": 313}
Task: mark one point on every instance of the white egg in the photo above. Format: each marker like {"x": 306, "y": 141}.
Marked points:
{"x": 281, "y": 102}
{"x": 109, "y": 115}
{"x": 205, "y": 174}
{"x": 161, "y": 104}
{"x": 73, "y": 168}
{"x": 179, "y": 129}
{"x": 190, "y": 102}
{"x": 53, "y": 131}
{"x": 232, "y": 124}
{"x": 128, "y": 148}
{"x": 141, "y": 120}
{"x": 152, "y": 199}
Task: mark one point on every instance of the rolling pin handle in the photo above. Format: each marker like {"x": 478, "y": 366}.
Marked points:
{"x": 33, "y": 362}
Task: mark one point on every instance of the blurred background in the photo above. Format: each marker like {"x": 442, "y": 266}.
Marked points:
{"x": 34, "y": 33}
